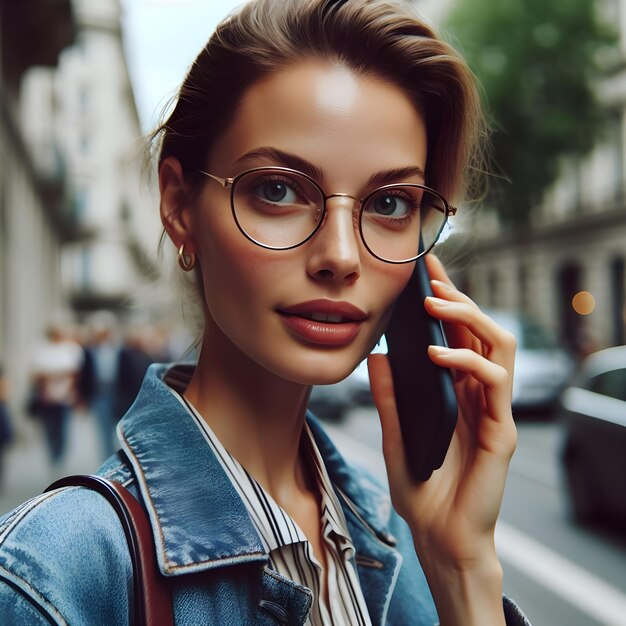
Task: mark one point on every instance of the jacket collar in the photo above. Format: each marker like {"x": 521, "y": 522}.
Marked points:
{"x": 198, "y": 520}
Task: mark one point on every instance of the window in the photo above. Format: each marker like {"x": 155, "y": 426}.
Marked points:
{"x": 617, "y": 272}
{"x": 522, "y": 286}
{"x": 611, "y": 383}
{"x": 534, "y": 337}
{"x": 492, "y": 288}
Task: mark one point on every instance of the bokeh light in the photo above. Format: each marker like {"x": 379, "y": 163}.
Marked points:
{"x": 583, "y": 303}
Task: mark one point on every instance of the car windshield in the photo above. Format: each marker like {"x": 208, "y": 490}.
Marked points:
{"x": 534, "y": 337}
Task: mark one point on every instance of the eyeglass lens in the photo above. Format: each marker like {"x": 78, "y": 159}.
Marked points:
{"x": 281, "y": 209}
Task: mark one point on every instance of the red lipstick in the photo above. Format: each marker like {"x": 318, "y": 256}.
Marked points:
{"x": 324, "y": 322}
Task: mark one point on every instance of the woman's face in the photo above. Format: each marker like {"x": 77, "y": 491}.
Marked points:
{"x": 350, "y": 128}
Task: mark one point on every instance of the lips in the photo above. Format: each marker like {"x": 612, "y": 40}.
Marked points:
{"x": 324, "y": 322}
{"x": 331, "y": 311}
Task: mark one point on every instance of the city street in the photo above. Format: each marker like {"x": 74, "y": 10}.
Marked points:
{"x": 559, "y": 573}
{"x": 26, "y": 466}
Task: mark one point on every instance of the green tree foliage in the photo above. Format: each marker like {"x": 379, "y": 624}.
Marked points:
{"x": 537, "y": 61}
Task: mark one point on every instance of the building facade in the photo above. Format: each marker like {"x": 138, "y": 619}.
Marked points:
{"x": 109, "y": 253}
{"x": 567, "y": 268}
{"x": 78, "y": 224}
{"x": 33, "y": 219}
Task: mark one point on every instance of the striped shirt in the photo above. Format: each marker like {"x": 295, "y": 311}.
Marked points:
{"x": 290, "y": 553}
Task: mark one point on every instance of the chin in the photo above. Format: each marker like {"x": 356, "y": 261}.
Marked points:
{"x": 320, "y": 369}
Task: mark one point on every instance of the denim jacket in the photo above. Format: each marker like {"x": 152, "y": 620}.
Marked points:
{"x": 64, "y": 559}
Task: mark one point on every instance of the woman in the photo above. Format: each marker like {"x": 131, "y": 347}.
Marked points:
{"x": 256, "y": 517}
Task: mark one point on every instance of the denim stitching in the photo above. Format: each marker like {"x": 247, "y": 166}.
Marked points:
{"x": 42, "y": 602}
{"x": 23, "y": 511}
{"x": 168, "y": 565}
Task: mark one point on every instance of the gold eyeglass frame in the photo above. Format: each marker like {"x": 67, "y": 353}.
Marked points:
{"x": 231, "y": 183}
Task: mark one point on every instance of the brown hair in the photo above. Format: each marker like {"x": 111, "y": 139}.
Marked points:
{"x": 372, "y": 37}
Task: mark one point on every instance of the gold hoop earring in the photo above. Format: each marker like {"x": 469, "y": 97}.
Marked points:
{"x": 186, "y": 261}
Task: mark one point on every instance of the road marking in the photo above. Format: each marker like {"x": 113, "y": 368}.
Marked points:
{"x": 592, "y": 595}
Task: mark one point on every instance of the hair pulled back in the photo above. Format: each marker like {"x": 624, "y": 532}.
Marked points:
{"x": 371, "y": 37}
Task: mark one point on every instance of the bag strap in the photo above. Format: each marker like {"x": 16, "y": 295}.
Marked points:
{"x": 153, "y": 602}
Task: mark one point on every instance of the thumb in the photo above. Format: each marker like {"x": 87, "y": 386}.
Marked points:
{"x": 381, "y": 383}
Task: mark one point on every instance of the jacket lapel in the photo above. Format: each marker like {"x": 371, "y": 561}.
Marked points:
{"x": 198, "y": 520}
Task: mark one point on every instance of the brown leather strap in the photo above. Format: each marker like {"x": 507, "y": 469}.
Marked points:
{"x": 152, "y": 605}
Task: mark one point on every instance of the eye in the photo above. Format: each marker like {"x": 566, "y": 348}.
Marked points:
{"x": 395, "y": 203}
{"x": 277, "y": 192}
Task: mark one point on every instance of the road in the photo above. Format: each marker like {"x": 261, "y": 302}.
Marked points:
{"x": 27, "y": 470}
{"x": 559, "y": 573}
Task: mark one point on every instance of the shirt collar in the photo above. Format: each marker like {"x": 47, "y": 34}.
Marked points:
{"x": 333, "y": 518}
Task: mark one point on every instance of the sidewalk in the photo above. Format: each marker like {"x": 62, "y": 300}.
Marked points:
{"x": 27, "y": 470}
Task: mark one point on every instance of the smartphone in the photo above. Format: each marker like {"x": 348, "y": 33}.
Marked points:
{"x": 425, "y": 397}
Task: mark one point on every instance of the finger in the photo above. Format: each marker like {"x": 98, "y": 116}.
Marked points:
{"x": 381, "y": 383}
{"x": 436, "y": 269}
{"x": 495, "y": 379}
{"x": 442, "y": 289}
{"x": 445, "y": 291}
{"x": 463, "y": 311}
{"x": 456, "y": 336}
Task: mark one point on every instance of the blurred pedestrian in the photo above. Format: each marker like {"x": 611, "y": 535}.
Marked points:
{"x": 133, "y": 361}
{"x": 6, "y": 427}
{"x": 99, "y": 378}
{"x": 55, "y": 372}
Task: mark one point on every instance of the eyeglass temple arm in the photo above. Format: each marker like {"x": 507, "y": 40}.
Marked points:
{"x": 451, "y": 210}
{"x": 225, "y": 182}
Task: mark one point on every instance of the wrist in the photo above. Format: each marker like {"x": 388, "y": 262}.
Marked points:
{"x": 466, "y": 593}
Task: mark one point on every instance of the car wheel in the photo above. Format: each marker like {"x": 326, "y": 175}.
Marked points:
{"x": 584, "y": 505}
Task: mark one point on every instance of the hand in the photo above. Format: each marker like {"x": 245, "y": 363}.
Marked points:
{"x": 452, "y": 515}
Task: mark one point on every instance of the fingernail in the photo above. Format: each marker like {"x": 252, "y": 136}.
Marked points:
{"x": 438, "y": 302}
{"x": 440, "y": 350}
{"x": 440, "y": 284}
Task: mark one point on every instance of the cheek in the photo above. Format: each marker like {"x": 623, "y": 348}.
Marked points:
{"x": 391, "y": 280}
{"x": 230, "y": 274}
{"x": 386, "y": 282}
{"x": 237, "y": 274}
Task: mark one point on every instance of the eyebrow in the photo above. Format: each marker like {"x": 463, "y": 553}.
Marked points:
{"x": 287, "y": 159}
{"x": 395, "y": 174}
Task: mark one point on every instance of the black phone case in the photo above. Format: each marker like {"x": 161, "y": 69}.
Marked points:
{"x": 424, "y": 392}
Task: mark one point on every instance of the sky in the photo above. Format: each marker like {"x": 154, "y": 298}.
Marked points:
{"x": 162, "y": 38}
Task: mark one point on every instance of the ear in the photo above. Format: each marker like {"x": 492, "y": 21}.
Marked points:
{"x": 176, "y": 205}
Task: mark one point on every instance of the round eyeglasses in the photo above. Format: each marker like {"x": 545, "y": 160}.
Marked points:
{"x": 280, "y": 208}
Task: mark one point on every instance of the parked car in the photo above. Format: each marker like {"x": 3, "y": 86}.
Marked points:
{"x": 593, "y": 412}
{"x": 333, "y": 401}
{"x": 542, "y": 367}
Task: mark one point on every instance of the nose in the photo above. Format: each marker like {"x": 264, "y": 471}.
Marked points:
{"x": 335, "y": 250}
